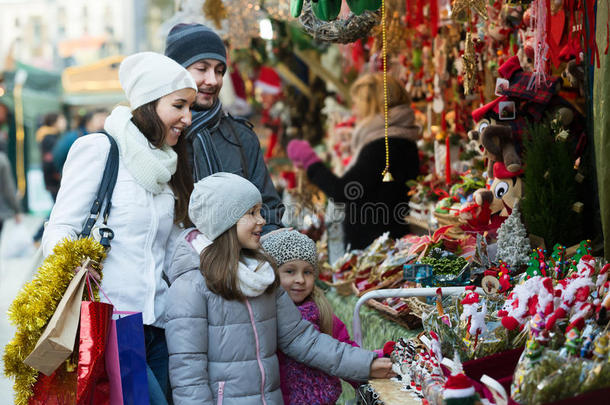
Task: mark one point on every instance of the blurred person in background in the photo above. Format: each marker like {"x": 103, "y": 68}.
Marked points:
{"x": 91, "y": 122}
{"x": 53, "y": 126}
{"x": 4, "y": 113}
{"x": 9, "y": 204}
{"x": 372, "y": 206}
{"x": 219, "y": 142}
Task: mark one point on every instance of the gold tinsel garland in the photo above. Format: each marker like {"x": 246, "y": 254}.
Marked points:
{"x": 36, "y": 303}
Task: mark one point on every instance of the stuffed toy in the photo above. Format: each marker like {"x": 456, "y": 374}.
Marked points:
{"x": 574, "y": 75}
{"x": 498, "y": 145}
{"x": 490, "y": 207}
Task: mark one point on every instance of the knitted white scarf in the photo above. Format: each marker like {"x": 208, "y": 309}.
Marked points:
{"x": 151, "y": 167}
{"x": 253, "y": 276}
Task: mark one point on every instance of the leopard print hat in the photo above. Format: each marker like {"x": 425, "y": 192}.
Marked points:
{"x": 286, "y": 246}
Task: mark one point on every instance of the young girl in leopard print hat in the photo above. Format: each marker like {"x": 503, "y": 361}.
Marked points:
{"x": 297, "y": 260}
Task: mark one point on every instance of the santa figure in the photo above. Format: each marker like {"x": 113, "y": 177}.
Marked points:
{"x": 269, "y": 87}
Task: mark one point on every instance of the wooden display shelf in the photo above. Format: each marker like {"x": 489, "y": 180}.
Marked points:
{"x": 390, "y": 393}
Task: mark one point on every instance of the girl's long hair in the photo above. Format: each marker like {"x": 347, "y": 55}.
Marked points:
{"x": 326, "y": 311}
{"x": 149, "y": 123}
{"x": 219, "y": 261}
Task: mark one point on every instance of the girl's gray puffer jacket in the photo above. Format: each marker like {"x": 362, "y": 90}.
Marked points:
{"x": 224, "y": 352}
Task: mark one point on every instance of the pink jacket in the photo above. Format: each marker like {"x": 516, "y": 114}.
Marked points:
{"x": 301, "y": 384}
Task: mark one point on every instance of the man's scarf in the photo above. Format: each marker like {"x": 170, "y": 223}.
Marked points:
{"x": 205, "y": 159}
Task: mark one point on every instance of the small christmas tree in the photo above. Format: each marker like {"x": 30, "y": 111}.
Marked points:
{"x": 513, "y": 243}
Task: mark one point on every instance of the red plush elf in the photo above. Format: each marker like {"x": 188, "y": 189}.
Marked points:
{"x": 270, "y": 86}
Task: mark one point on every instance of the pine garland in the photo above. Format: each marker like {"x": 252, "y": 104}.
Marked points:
{"x": 549, "y": 188}
{"x": 36, "y": 303}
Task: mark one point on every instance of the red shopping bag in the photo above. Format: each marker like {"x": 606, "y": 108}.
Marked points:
{"x": 92, "y": 382}
{"x": 57, "y": 389}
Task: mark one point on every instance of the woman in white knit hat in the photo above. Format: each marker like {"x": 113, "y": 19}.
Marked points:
{"x": 151, "y": 194}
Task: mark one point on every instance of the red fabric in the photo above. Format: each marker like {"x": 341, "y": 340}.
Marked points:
{"x": 457, "y": 382}
{"x": 269, "y": 77}
{"x": 497, "y": 366}
{"x": 599, "y": 396}
{"x": 509, "y": 67}
{"x": 491, "y": 107}
{"x": 501, "y": 172}
{"x": 272, "y": 142}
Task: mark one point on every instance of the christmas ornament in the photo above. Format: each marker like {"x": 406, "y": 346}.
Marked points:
{"x": 469, "y": 64}
{"x": 340, "y": 30}
{"x": 513, "y": 241}
{"x": 460, "y": 10}
{"x": 386, "y": 175}
{"x": 215, "y": 11}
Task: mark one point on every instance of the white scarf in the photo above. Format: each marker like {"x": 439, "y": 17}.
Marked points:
{"x": 253, "y": 276}
{"x": 151, "y": 167}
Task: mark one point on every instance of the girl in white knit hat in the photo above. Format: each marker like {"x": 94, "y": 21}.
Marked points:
{"x": 151, "y": 194}
{"x": 226, "y": 315}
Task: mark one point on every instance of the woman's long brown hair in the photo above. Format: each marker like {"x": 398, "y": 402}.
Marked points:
{"x": 219, "y": 261}
{"x": 148, "y": 122}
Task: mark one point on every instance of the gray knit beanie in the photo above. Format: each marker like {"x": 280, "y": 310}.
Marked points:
{"x": 219, "y": 201}
{"x": 286, "y": 246}
{"x": 189, "y": 43}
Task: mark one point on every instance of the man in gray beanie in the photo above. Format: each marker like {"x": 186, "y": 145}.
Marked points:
{"x": 217, "y": 141}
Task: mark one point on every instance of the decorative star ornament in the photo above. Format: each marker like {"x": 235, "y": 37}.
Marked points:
{"x": 460, "y": 9}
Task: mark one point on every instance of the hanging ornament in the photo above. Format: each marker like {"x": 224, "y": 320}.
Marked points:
{"x": 215, "y": 11}
{"x": 469, "y": 64}
{"x": 387, "y": 176}
{"x": 396, "y": 33}
{"x": 460, "y": 10}
{"x": 539, "y": 14}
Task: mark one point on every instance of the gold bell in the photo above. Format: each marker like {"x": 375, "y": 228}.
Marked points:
{"x": 387, "y": 176}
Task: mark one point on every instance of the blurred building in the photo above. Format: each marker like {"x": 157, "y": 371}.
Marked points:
{"x": 54, "y": 34}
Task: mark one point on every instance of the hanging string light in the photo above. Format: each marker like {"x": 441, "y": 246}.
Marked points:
{"x": 387, "y": 176}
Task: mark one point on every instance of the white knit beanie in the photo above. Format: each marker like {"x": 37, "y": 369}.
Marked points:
{"x": 147, "y": 76}
{"x": 219, "y": 201}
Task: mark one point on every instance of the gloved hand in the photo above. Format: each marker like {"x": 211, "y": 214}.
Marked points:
{"x": 301, "y": 153}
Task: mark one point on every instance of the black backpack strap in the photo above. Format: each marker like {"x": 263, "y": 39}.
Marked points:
{"x": 104, "y": 195}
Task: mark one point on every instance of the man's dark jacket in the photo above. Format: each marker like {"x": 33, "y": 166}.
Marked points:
{"x": 233, "y": 147}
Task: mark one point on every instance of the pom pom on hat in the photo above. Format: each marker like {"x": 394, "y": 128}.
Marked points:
{"x": 286, "y": 246}
{"x": 148, "y": 76}
{"x": 219, "y": 201}
{"x": 269, "y": 81}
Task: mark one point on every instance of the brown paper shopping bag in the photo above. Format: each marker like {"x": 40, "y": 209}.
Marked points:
{"x": 57, "y": 340}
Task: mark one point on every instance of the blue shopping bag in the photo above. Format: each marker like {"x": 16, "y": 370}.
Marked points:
{"x": 127, "y": 360}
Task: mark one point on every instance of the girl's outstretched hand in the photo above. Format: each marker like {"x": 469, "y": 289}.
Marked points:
{"x": 382, "y": 368}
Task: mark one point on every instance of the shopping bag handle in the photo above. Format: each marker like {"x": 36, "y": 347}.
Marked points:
{"x": 114, "y": 312}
